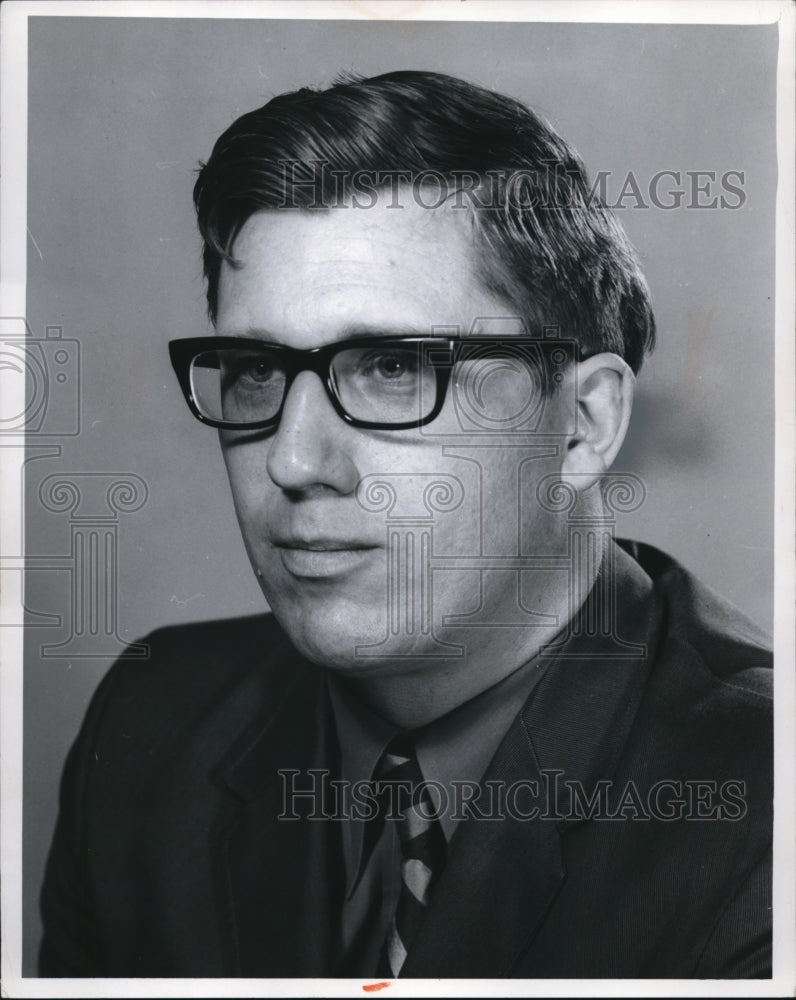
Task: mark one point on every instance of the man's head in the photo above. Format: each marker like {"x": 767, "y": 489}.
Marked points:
{"x": 546, "y": 244}
{"x": 414, "y": 205}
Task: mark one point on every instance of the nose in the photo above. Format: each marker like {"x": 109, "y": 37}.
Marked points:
{"x": 310, "y": 447}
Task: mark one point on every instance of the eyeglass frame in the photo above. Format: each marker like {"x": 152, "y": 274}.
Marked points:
{"x": 318, "y": 360}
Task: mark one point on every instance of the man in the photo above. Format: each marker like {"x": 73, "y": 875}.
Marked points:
{"x": 477, "y": 736}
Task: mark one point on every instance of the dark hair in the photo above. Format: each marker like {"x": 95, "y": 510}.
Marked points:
{"x": 555, "y": 253}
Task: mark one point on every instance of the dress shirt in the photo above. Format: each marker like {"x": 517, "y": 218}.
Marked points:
{"x": 457, "y": 747}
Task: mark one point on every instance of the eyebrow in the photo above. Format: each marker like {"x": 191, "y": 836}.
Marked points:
{"x": 354, "y": 330}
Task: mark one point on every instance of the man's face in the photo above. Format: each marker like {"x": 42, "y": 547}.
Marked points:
{"x": 310, "y": 278}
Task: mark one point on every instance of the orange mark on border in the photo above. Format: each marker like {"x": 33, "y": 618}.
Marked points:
{"x": 370, "y": 987}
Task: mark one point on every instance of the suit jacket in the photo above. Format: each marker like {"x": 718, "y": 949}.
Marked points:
{"x": 648, "y": 856}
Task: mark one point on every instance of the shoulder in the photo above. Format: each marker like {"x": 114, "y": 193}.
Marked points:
{"x": 701, "y": 749}
{"x": 204, "y": 653}
{"x": 706, "y": 714}
{"x": 200, "y": 659}
{"x": 721, "y": 643}
{"x": 215, "y": 674}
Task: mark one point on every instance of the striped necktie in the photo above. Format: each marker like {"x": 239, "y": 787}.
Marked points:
{"x": 423, "y": 850}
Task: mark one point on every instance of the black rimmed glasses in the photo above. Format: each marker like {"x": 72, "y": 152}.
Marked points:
{"x": 377, "y": 383}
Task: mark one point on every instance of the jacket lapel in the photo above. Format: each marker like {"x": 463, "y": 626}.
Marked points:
{"x": 501, "y": 877}
{"x": 275, "y": 875}
{"x": 503, "y": 874}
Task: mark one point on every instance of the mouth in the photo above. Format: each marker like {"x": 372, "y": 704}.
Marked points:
{"x": 320, "y": 558}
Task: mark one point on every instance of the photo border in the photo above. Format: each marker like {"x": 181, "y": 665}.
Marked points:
{"x": 13, "y": 236}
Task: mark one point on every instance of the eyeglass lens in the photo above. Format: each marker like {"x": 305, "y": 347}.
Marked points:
{"x": 383, "y": 383}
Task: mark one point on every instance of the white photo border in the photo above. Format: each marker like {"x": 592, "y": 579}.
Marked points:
{"x": 13, "y": 183}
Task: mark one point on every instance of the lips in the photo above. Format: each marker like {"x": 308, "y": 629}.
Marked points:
{"x": 323, "y": 558}
{"x": 322, "y": 544}
{"x": 319, "y": 557}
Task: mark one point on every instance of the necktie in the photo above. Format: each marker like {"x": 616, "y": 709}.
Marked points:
{"x": 423, "y": 850}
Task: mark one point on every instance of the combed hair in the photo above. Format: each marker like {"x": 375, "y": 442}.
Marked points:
{"x": 550, "y": 248}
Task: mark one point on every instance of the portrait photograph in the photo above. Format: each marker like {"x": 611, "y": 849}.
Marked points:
{"x": 397, "y": 514}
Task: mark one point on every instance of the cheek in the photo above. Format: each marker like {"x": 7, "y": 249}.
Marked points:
{"x": 249, "y": 481}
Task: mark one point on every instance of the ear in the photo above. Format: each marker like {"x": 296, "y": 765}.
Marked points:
{"x": 604, "y": 387}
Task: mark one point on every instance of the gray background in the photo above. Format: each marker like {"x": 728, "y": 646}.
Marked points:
{"x": 121, "y": 110}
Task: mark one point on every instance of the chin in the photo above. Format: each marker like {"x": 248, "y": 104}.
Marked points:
{"x": 335, "y": 649}
{"x": 337, "y": 653}
{"x": 330, "y": 638}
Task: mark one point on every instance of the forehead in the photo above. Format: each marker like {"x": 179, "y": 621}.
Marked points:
{"x": 307, "y": 276}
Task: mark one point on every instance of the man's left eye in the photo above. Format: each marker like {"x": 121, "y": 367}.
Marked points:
{"x": 390, "y": 366}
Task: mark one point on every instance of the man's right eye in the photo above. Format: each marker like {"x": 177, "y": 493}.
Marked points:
{"x": 250, "y": 369}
